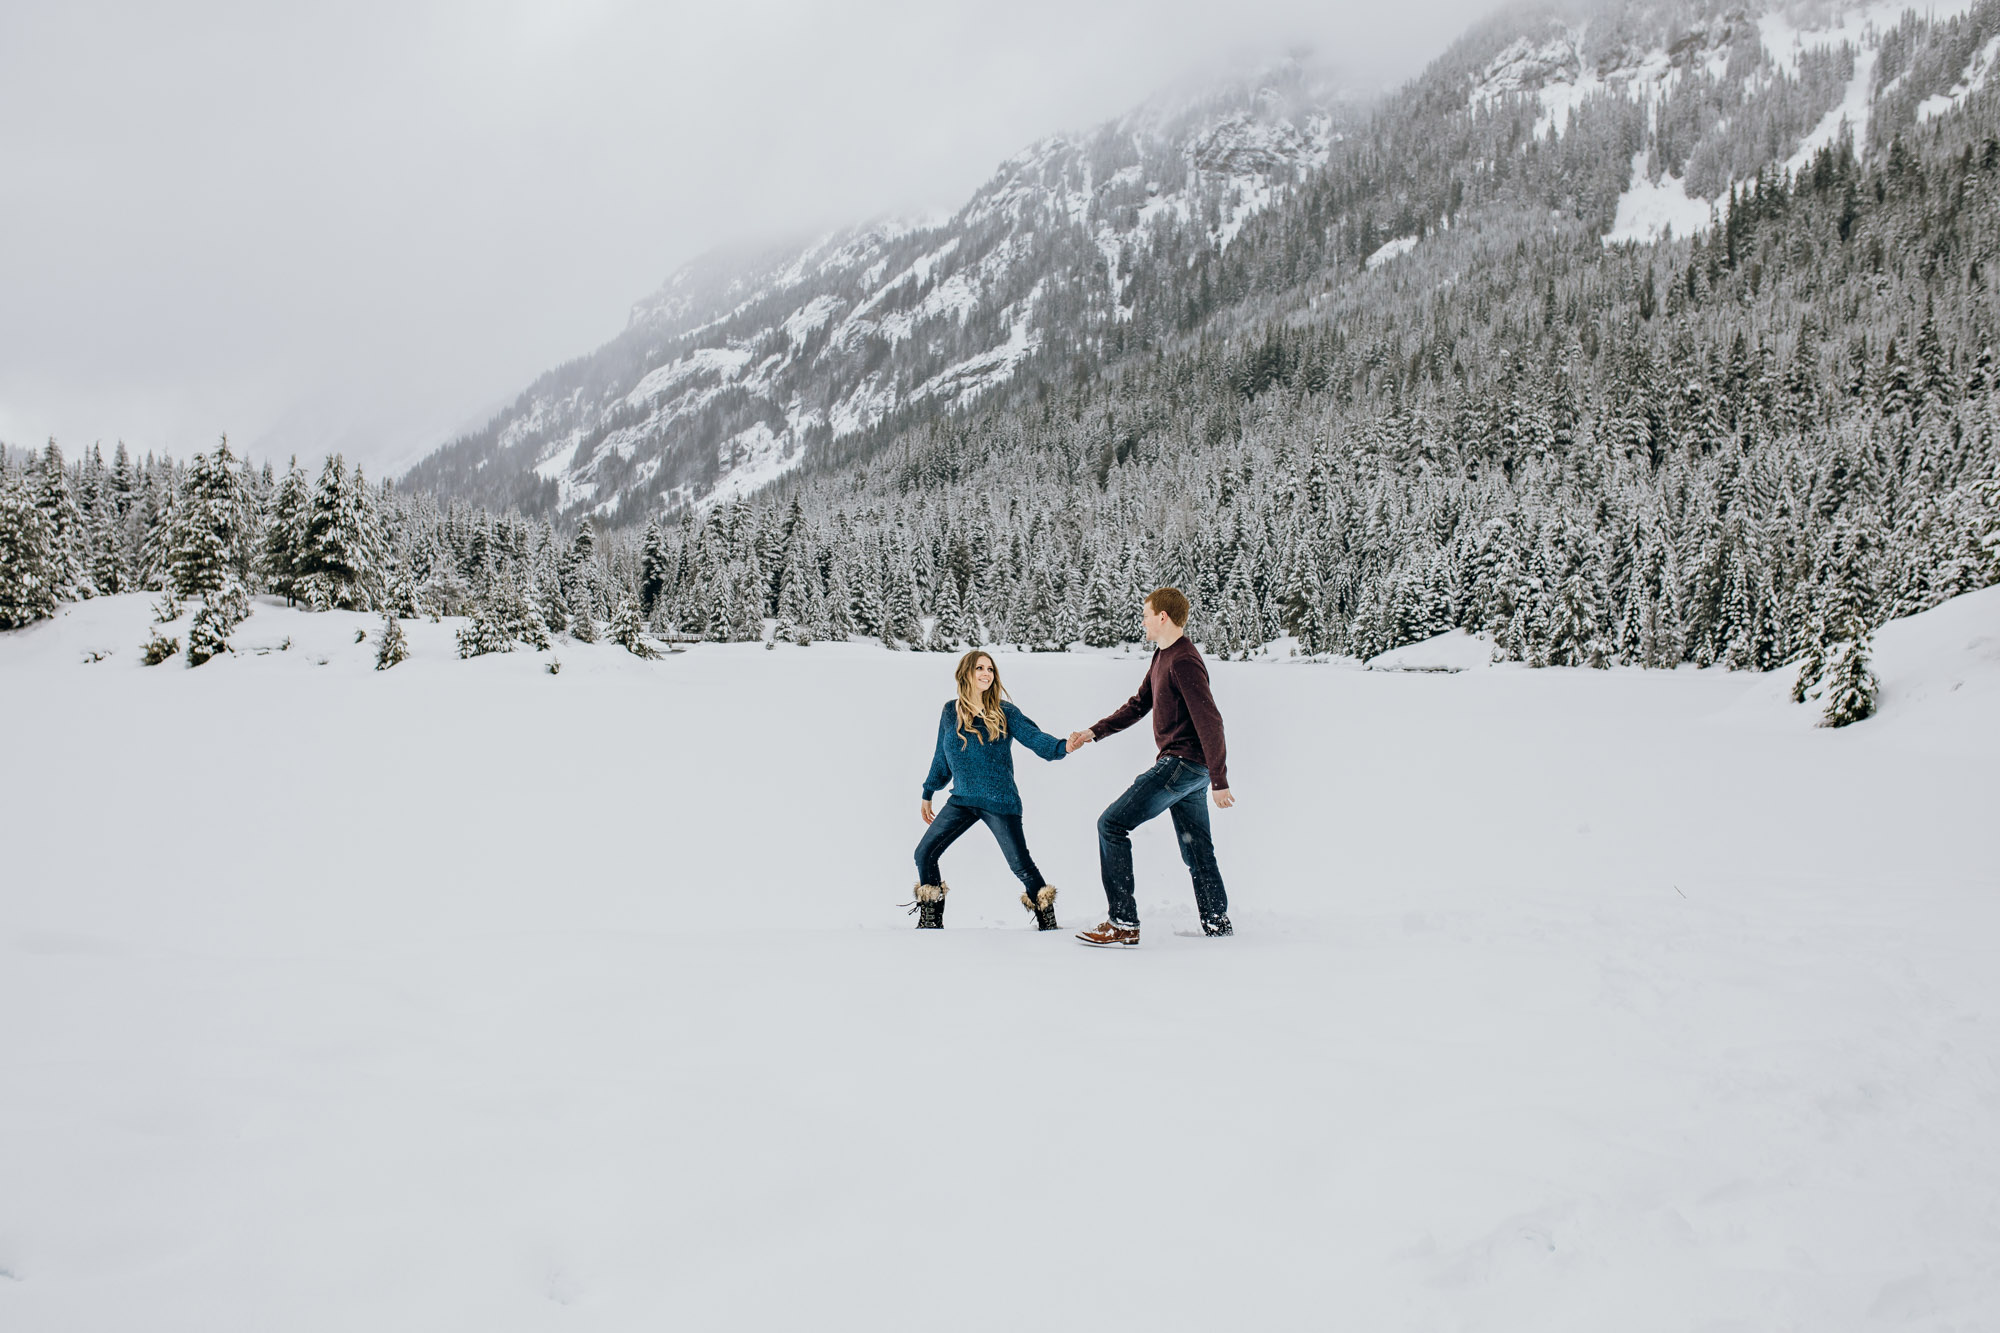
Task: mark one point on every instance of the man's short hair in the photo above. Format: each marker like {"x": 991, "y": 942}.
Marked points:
{"x": 1170, "y": 602}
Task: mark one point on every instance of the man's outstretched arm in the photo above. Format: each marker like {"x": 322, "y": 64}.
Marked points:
{"x": 1135, "y": 708}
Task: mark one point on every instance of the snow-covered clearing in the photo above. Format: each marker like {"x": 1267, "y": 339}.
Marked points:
{"x": 468, "y": 996}
{"x": 1651, "y": 209}
{"x": 1389, "y": 250}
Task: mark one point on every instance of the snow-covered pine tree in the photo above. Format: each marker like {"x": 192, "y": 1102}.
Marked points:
{"x": 206, "y": 535}
{"x": 391, "y": 644}
{"x": 549, "y": 601}
{"x": 962, "y": 625}
{"x": 255, "y": 493}
{"x": 62, "y": 524}
{"x": 27, "y": 586}
{"x": 1851, "y": 686}
{"x": 503, "y": 618}
{"x": 223, "y": 609}
{"x": 840, "y": 624}
{"x": 746, "y": 603}
{"x": 152, "y": 525}
{"x": 583, "y": 625}
{"x": 901, "y": 620}
{"x": 628, "y": 631}
{"x": 340, "y": 568}
{"x": 1039, "y": 628}
{"x": 870, "y": 617}
{"x": 399, "y": 595}
{"x": 652, "y": 566}
{"x": 443, "y": 592}
{"x": 482, "y": 634}
{"x": 121, "y": 486}
{"x": 282, "y": 554}
{"x": 110, "y": 570}
{"x": 947, "y": 631}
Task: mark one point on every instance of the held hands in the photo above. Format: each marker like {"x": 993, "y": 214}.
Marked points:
{"x": 1077, "y": 740}
{"x": 929, "y": 815}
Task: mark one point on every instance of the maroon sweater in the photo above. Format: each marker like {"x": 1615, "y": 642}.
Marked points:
{"x": 1185, "y": 721}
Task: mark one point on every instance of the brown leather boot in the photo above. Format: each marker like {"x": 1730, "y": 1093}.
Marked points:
{"x": 1111, "y": 935}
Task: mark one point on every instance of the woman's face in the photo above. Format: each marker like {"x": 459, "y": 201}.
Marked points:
{"x": 982, "y": 674}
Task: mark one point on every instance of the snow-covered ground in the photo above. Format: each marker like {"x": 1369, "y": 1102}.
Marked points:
{"x": 470, "y": 996}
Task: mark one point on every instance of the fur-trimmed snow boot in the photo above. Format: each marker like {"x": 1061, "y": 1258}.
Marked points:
{"x": 929, "y": 906}
{"x": 1043, "y": 904}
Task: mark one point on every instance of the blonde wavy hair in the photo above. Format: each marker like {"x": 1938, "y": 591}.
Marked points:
{"x": 974, "y": 707}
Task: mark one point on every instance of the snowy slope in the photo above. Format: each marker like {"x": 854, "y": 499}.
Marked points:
{"x": 464, "y": 995}
{"x": 738, "y": 366}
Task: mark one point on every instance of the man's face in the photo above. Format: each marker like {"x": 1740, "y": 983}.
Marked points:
{"x": 1158, "y": 623}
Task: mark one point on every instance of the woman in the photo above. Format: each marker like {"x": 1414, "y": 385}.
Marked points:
{"x": 975, "y": 756}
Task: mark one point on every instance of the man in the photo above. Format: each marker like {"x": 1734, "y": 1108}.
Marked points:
{"x": 1188, "y": 730}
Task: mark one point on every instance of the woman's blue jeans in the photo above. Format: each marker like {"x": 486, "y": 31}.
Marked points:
{"x": 1178, "y": 786}
{"x": 954, "y": 819}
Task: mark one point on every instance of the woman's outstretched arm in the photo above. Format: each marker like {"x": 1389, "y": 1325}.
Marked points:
{"x": 1025, "y": 731}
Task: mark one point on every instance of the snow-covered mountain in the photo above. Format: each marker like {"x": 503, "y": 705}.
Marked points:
{"x": 740, "y": 365}
{"x": 1637, "y": 118}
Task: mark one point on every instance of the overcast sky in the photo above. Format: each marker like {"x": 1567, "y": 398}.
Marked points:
{"x": 365, "y": 225}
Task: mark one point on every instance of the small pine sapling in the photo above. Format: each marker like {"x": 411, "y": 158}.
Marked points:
{"x": 159, "y": 648}
{"x": 168, "y": 609}
{"x": 391, "y": 646}
{"x": 583, "y": 626}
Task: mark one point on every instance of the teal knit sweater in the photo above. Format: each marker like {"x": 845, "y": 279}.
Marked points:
{"x": 981, "y": 772}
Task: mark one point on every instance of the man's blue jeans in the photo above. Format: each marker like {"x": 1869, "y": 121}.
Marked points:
{"x": 1178, "y": 786}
